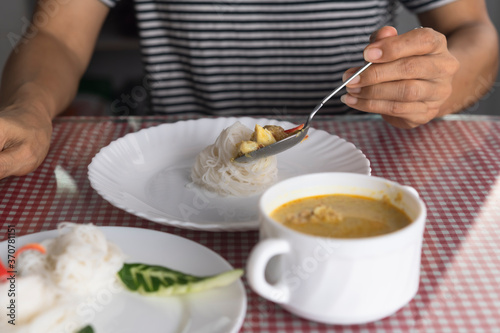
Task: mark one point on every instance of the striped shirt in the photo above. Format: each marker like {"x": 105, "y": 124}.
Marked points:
{"x": 226, "y": 57}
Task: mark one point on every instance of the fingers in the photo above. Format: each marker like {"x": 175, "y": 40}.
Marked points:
{"x": 25, "y": 133}
{"x": 411, "y": 114}
{"x": 20, "y": 154}
{"x": 8, "y": 165}
{"x": 387, "y": 107}
{"x": 403, "y": 91}
{"x": 409, "y": 80}
{"x": 429, "y": 67}
{"x": 400, "y": 122}
{"x": 17, "y": 161}
{"x": 415, "y": 42}
{"x": 382, "y": 33}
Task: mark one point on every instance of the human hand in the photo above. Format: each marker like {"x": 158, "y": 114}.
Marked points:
{"x": 411, "y": 77}
{"x": 24, "y": 139}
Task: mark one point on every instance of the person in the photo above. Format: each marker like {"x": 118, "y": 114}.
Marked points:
{"x": 254, "y": 57}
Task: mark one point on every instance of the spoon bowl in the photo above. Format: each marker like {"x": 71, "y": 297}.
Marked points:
{"x": 295, "y": 138}
{"x": 274, "y": 148}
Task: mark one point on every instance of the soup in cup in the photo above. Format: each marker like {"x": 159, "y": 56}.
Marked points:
{"x": 349, "y": 252}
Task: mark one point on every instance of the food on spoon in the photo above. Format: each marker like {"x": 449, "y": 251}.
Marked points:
{"x": 265, "y": 136}
{"x": 248, "y": 146}
{"x": 163, "y": 281}
{"x": 215, "y": 170}
{"x": 261, "y": 137}
{"x": 277, "y": 132}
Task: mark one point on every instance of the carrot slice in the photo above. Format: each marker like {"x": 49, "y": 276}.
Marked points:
{"x": 32, "y": 246}
{"x": 3, "y": 273}
{"x": 295, "y": 129}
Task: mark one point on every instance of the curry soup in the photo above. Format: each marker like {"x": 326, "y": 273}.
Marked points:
{"x": 341, "y": 216}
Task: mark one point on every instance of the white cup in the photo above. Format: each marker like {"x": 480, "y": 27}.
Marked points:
{"x": 335, "y": 280}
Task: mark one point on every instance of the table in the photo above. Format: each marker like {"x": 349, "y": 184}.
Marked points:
{"x": 454, "y": 164}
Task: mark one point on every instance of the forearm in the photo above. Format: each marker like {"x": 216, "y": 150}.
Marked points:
{"x": 476, "y": 48}
{"x": 42, "y": 74}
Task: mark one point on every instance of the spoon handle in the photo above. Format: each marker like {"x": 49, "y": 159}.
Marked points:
{"x": 320, "y": 105}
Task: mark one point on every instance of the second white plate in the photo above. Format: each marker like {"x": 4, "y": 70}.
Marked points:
{"x": 147, "y": 173}
{"x": 212, "y": 311}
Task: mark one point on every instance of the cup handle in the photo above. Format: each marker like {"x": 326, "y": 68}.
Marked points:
{"x": 256, "y": 266}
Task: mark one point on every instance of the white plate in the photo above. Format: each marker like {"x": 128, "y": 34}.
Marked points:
{"x": 146, "y": 173}
{"x": 212, "y": 311}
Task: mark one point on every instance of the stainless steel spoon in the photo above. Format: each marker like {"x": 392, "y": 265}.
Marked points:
{"x": 292, "y": 140}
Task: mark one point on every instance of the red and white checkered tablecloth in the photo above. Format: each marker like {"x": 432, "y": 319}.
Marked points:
{"x": 453, "y": 163}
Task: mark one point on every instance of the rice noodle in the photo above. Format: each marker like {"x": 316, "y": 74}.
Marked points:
{"x": 215, "y": 170}
{"x": 79, "y": 263}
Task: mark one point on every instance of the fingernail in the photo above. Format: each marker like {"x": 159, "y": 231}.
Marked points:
{"x": 353, "y": 90}
{"x": 354, "y": 81}
{"x": 372, "y": 54}
{"x": 348, "y": 99}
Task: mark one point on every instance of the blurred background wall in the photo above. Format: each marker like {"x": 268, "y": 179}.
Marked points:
{"x": 116, "y": 65}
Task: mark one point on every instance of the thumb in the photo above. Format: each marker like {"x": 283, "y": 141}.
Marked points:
{"x": 374, "y": 53}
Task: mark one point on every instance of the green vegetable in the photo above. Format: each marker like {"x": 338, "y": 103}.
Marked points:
{"x": 162, "y": 281}
{"x": 86, "y": 329}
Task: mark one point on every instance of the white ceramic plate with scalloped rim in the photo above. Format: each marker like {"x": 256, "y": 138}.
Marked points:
{"x": 212, "y": 311}
{"x": 147, "y": 173}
